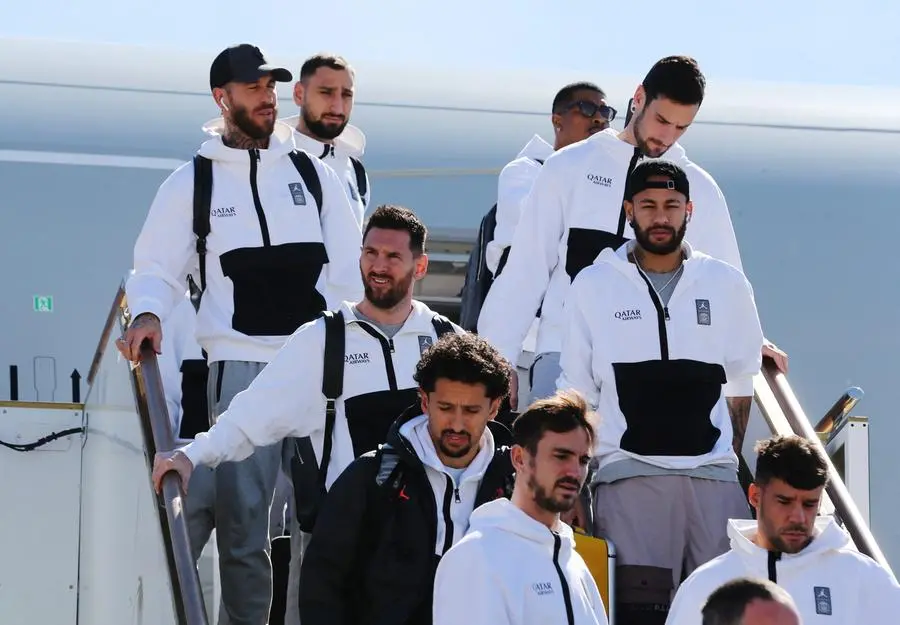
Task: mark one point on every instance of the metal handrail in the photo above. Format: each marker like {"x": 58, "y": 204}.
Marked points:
{"x": 837, "y": 491}
{"x": 839, "y": 411}
{"x": 186, "y": 591}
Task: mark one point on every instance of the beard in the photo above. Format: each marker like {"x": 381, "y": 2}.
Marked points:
{"x": 643, "y": 143}
{"x": 324, "y": 130}
{"x": 241, "y": 118}
{"x": 388, "y": 295}
{"x": 547, "y": 501}
{"x": 773, "y": 534}
{"x": 455, "y": 453}
{"x": 643, "y": 238}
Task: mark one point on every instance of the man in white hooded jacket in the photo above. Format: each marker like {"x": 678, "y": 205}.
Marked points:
{"x": 578, "y": 111}
{"x": 325, "y": 93}
{"x": 575, "y": 211}
{"x": 811, "y": 557}
{"x": 278, "y": 252}
{"x": 517, "y": 564}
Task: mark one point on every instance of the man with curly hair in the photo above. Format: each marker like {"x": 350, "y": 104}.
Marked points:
{"x": 395, "y": 511}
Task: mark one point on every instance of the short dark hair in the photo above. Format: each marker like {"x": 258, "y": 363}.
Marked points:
{"x": 332, "y": 61}
{"x": 645, "y": 170}
{"x": 677, "y": 78}
{"x": 566, "y": 95}
{"x": 727, "y": 603}
{"x": 791, "y": 459}
{"x": 465, "y": 358}
{"x": 394, "y": 217}
{"x": 560, "y": 413}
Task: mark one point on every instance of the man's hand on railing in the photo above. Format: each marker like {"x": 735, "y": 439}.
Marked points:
{"x": 145, "y": 326}
{"x": 171, "y": 461}
{"x": 780, "y": 357}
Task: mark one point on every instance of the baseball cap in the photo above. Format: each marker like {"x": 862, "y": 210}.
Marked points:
{"x": 675, "y": 178}
{"x": 243, "y": 63}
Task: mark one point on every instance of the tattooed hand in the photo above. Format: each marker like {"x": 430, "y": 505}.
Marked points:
{"x": 739, "y": 409}
{"x": 144, "y": 326}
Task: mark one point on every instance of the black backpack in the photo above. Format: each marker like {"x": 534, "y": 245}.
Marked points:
{"x": 203, "y": 181}
{"x": 307, "y": 475}
{"x": 478, "y": 277}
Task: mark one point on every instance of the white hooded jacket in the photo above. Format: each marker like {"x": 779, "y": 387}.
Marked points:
{"x": 462, "y": 493}
{"x": 656, "y": 373}
{"x": 350, "y": 143}
{"x": 830, "y": 581}
{"x": 513, "y": 186}
{"x": 272, "y": 262}
{"x": 510, "y": 569}
{"x": 286, "y": 398}
{"x": 573, "y": 212}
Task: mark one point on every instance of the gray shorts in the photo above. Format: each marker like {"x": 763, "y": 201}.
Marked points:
{"x": 663, "y": 527}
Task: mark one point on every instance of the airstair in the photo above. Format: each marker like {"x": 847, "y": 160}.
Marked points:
{"x": 86, "y": 540}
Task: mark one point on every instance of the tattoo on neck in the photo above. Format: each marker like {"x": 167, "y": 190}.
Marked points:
{"x": 235, "y": 138}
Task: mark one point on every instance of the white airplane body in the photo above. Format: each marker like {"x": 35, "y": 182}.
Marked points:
{"x": 810, "y": 173}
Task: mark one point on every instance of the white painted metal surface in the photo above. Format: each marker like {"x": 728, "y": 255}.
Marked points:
{"x": 849, "y": 450}
{"x": 39, "y": 531}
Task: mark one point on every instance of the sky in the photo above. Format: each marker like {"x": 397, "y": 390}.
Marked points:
{"x": 824, "y": 41}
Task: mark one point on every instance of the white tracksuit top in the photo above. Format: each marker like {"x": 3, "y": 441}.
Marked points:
{"x": 286, "y": 398}
{"x": 657, "y": 382}
{"x": 830, "y": 581}
{"x": 271, "y": 265}
{"x": 573, "y": 212}
{"x": 351, "y": 142}
{"x": 510, "y": 569}
{"x": 513, "y": 186}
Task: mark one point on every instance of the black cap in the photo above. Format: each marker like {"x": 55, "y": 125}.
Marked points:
{"x": 243, "y": 63}
{"x": 639, "y": 180}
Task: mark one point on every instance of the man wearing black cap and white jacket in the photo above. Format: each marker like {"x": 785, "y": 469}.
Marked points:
{"x": 270, "y": 233}
{"x": 654, "y": 330}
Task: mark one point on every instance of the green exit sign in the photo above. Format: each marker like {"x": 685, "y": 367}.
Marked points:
{"x": 43, "y": 303}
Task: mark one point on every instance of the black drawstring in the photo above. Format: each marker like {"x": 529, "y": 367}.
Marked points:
{"x": 774, "y": 556}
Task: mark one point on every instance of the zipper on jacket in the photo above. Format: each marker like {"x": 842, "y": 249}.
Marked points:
{"x": 257, "y": 203}
{"x": 387, "y": 348}
{"x": 567, "y": 597}
{"x": 662, "y": 315}
{"x": 635, "y": 157}
{"x": 774, "y": 556}
{"x": 448, "y": 521}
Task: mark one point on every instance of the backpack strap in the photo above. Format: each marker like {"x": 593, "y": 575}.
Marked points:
{"x": 202, "y": 199}
{"x": 362, "y": 182}
{"x": 442, "y": 325}
{"x": 307, "y": 170}
{"x": 332, "y": 382}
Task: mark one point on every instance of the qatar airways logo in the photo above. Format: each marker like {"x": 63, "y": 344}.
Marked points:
{"x": 542, "y": 588}
{"x": 357, "y": 358}
{"x": 629, "y": 314}
{"x": 603, "y": 181}
{"x": 225, "y": 211}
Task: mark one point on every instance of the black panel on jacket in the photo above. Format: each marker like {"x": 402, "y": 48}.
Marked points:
{"x": 275, "y": 287}
{"x": 369, "y": 416}
{"x": 667, "y": 406}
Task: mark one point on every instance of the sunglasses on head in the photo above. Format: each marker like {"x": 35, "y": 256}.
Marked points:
{"x": 592, "y": 109}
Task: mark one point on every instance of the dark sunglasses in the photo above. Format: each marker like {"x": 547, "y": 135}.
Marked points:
{"x": 591, "y": 109}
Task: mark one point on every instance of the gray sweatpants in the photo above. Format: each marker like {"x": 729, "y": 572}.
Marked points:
{"x": 235, "y": 498}
{"x": 662, "y": 528}
{"x": 544, "y": 371}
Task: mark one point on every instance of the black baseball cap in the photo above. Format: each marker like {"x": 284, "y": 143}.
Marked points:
{"x": 639, "y": 180}
{"x": 243, "y": 63}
